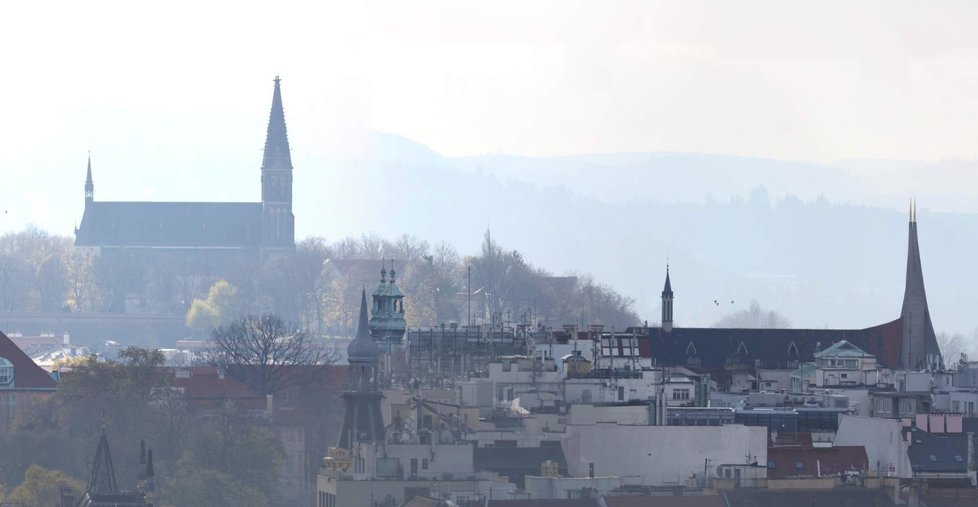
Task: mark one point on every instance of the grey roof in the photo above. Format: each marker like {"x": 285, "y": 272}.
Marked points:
{"x": 171, "y": 224}
{"x": 946, "y": 453}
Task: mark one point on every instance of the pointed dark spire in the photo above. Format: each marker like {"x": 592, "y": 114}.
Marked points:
{"x": 89, "y": 185}
{"x": 668, "y": 287}
{"x": 919, "y": 345}
{"x": 102, "y": 480}
{"x": 362, "y": 349}
{"x": 392, "y": 270}
{"x": 363, "y": 327}
{"x": 277, "y": 155}
{"x": 383, "y": 270}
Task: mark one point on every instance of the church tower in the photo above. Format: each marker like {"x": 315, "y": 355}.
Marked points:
{"x": 919, "y": 347}
{"x": 362, "y": 420}
{"x": 667, "y": 304}
{"x": 89, "y": 185}
{"x": 278, "y": 223}
{"x": 387, "y": 324}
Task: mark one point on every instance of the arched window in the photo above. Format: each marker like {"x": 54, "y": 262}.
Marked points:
{"x": 6, "y": 372}
{"x": 742, "y": 349}
{"x": 792, "y": 352}
{"x": 691, "y": 349}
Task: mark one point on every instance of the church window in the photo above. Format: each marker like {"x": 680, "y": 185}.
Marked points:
{"x": 691, "y": 349}
{"x": 742, "y": 349}
{"x": 792, "y": 350}
{"x": 6, "y": 372}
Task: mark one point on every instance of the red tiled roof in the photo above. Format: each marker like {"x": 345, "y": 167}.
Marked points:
{"x": 27, "y": 374}
{"x": 206, "y": 387}
{"x": 666, "y": 501}
{"x": 814, "y": 461}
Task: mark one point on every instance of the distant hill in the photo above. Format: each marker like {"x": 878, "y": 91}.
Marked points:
{"x": 799, "y": 238}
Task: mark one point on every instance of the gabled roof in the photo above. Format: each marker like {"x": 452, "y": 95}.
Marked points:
{"x": 27, "y": 374}
{"x": 171, "y": 224}
{"x": 843, "y": 349}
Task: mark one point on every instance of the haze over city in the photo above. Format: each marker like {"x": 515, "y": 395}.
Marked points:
{"x": 489, "y": 254}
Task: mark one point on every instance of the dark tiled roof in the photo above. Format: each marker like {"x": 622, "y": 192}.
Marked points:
{"x": 27, "y": 374}
{"x": 945, "y": 452}
{"x": 171, "y": 224}
{"x": 518, "y": 462}
{"x": 772, "y": 347}
{"x": 784, "y": 461}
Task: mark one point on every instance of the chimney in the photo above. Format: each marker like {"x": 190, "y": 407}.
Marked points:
{"x": 67, "y": 497}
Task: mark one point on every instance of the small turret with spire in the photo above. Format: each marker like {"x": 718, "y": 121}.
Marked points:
{"x": 89, "y": 185}
{"x": 667, "y": 303}
{"x": 387, "y": 324}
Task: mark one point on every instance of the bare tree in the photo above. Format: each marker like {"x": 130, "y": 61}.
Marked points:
{"x": 267, "y": 352}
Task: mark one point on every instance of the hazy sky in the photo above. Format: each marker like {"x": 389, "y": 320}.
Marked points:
{"x": 189, "y": 82}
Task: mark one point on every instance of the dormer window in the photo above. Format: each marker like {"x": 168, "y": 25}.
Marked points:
{"x": 6, "y": 372}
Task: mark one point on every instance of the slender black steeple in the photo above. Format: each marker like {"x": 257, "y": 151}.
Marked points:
{"x": 276, "y": 179}
{"x": 362, "y": 420}
{"x": 89, "y": 185}
{"x": 919, "y": 347}
{"x": 102, "y": 480}
{"x": 667, "y": 304}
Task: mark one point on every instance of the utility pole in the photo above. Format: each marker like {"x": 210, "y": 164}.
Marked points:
{"x": 468, "y": 291}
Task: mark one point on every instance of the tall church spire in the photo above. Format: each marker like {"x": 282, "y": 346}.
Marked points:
{"x": 278, "y": 222}
{"x": 667, "y": 303}
{"x": 919, "y": 347}
{"x": 277, "y": 154}
{"x": 89, "y": 185}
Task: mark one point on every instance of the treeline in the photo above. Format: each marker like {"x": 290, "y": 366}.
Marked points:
{"x": 318, "y": 287}
{"x": 227, "y": 456}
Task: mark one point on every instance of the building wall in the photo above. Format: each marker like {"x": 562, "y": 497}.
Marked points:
{"x": 431, "y": 461}
{"x": 882, "y": 439}
{"x": 544, "y": 488}
{"x": 660, "y": 454}
{"x": 350, "y": 493}
{"x": 581, "y": 415}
